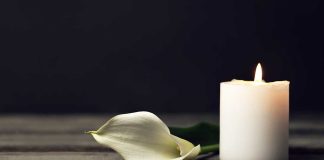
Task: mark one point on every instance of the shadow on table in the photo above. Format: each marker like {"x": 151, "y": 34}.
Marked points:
{"x": 303, "y": 153}
{"x": 295, "y": 153}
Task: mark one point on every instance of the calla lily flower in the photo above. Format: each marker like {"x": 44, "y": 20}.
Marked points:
{"x": 143, "y": 136}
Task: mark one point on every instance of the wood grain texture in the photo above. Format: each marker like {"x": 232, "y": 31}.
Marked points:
{"x": 38, "y": 137}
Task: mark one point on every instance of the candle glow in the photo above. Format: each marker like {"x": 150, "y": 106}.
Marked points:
{"x": 258, "y": 73}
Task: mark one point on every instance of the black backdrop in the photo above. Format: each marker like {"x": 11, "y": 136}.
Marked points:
{"x": 162, "y": 56}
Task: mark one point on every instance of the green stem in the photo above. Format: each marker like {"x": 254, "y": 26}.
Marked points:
{"x": 209, "y": 148}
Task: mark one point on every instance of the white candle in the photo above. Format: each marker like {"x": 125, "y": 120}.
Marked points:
{"x": 254, "y": 119}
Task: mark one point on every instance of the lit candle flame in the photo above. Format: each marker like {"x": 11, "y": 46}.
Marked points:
{"x": 258, "y": 74}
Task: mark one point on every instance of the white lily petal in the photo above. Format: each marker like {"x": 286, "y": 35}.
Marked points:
{"x": 191, "y": 155}
{"x": 184, "y": 145}
{"x": 187, "y": 147}
{"x": 143, "y": 136}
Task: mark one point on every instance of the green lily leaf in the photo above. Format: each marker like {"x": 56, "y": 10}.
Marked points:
{"x": 205, "y": 134}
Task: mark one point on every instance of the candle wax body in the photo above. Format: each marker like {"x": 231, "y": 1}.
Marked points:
{"x": 254, "y": 120}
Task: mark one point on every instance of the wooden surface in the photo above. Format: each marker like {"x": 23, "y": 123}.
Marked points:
{"x": 40, "y": 137}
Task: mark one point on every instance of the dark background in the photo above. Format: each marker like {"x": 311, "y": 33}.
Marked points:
{"x": 162, "y": 56}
